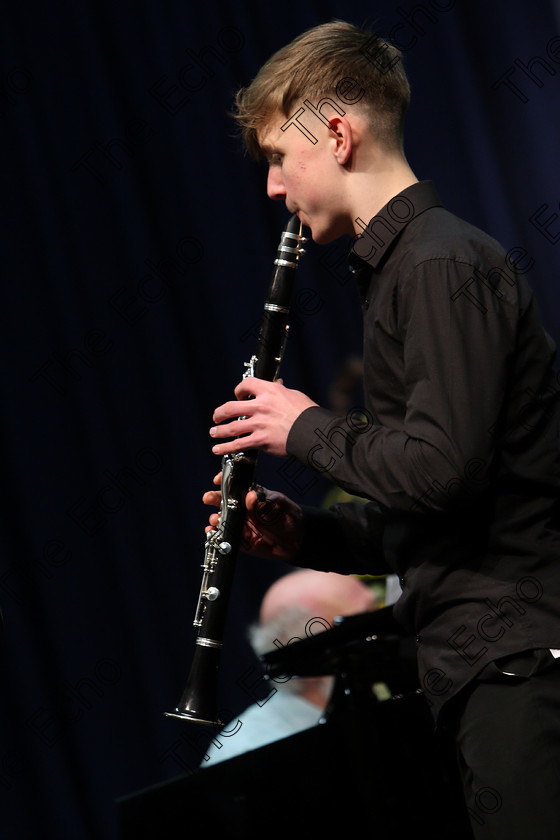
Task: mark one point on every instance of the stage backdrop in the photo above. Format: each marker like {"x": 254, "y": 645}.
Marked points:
{"x": 137, "y": 246}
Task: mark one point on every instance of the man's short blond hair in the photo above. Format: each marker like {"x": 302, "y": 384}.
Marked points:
{"x": 315, "y": 65}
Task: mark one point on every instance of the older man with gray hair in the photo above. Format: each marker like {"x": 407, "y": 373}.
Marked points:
{"x": 298, "y": 605}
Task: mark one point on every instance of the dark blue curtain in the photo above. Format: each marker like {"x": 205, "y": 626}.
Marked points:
{"x": 137, "y": 246}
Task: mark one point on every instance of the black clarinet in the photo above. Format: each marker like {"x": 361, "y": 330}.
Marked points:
{"x": 199, "y": 699}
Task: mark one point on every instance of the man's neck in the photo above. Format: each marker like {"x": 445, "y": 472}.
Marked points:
{"x": 317, "y": 690}
{"x": 376, "y": 187}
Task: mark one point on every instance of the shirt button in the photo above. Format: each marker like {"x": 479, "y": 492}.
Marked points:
{"x": 402, "y": 582}
{"x": 418, "y": 638}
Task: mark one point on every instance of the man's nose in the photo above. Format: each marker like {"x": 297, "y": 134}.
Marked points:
{"x": 275, "y": 185}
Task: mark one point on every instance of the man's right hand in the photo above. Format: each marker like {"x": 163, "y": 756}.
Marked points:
{"x": 273, "y": 528}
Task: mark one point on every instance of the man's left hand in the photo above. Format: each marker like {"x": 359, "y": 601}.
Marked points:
{"x": 267, "y": 418}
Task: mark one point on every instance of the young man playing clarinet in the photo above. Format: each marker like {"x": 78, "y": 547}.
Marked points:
{"x": 457, "y": 450}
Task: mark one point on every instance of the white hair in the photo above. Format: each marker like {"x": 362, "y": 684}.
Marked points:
{"x": 289, "y": 626}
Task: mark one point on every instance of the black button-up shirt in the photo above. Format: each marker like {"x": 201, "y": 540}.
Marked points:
{"x": 456, "y": 446}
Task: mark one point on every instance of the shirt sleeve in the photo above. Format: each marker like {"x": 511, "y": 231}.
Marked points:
{"x": 454, "y": 337}
{"x": 347, "y": 538}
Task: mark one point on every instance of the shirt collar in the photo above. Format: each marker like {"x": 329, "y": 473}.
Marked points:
{"x": 370, "y": 246}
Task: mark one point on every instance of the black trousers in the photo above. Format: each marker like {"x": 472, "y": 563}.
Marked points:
{"x": 505, "y": 728}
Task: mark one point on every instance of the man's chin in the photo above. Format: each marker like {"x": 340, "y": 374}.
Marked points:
{"x": 323, "y": 237}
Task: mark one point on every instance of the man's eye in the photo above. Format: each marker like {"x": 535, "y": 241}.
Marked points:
{"x": 275, "y": 160}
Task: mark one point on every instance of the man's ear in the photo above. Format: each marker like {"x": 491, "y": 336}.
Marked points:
{"x": 341, "y": 136}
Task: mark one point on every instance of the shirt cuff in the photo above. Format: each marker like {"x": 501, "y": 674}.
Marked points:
{"x": 304, "y": 443}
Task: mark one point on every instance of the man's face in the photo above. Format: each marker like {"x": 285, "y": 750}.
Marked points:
{"x": 306, "y": 175}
